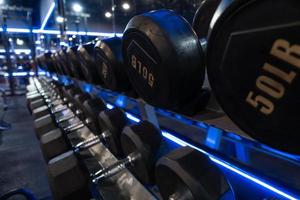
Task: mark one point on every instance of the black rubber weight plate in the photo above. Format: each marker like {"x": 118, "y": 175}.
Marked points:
{"x": 259, "y": 88}
{"x": 203, "y": 17}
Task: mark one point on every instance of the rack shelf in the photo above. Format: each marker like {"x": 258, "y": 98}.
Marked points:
{"x": 254, "y": 170}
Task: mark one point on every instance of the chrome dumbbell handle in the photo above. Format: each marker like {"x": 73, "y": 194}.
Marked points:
{"x": 115, "y": 168}
{"x": 77, "y": 126}
{"x": 91, "y": 141}
{"x": 65, "y": 118}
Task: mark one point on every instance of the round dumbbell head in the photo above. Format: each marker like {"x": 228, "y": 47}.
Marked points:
{"x": 80, "y": 98}
{"x": 74, "y": 63}
{"x": 91, "y": 109}
{"x": 64, "y": 62}
{"x": 113, "y": 121}
{"x": 253, "y": 68}
{"x": 87, "y": 63}
{"x": 109, "y": 59}
{"x": 144, "y": 138}
{"x": 59, "y": 64}
{"x": 164, "y": 58}
{"x": 189, "y": 175}
{"x": 70, "y": 93}
{"x": 55, "y": 65}
{"x": 203, "y": 17}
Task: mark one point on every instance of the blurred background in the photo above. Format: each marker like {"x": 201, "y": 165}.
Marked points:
{"x": 31, "y": 27}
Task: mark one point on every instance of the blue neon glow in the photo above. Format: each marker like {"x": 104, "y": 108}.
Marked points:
{"x": 42, "y": 73}
{"x": 219, "y": 161}
{"x": 19, "y": 74}
{"x": 294, "y": 157}
{"x": 18, "y": 30}
{"x": 55, "y": 78}
{"x": 133, "y": 118}
{"x": 63, "y": 44}
{"x": 88, "y": 87}
{"x": 26, "y": 51}
{"x": 50, "y": 11}
{"x": 223, "y": 163}
{"x": 121, "y": 101}
{"x": 56, "y": 32}
{"x": 213, "y": 137}
{"x": 18, "y": 51}
{"x": 251, "y": 177}
{"x": 229, "y": 166}
{"x": 109, "y": 106}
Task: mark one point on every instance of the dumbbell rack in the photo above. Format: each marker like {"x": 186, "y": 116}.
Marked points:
{"x": 254, "y": 170}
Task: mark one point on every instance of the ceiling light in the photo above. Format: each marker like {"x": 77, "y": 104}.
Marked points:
{"x": 59, "y": 19}
{"x": 1, "y": 1}
{"x": 126, "y": 6}
{"x": 77, "y": 7}
{"x": 20, "y": 42}
{"x": 108, "y": 15}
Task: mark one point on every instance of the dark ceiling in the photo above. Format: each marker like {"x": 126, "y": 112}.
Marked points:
{"x": 98, "y": 8}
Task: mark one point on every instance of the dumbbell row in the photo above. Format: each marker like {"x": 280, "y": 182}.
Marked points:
{"x": 140, "y": 142}
{"x": 166, "y": 66}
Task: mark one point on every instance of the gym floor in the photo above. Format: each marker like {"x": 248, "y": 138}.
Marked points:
{"x": 22, "y": 164}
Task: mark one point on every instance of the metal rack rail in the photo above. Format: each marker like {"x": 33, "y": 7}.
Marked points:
{"x": 254, "y": 170}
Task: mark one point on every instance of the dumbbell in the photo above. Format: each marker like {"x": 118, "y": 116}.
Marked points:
{"x": 111, "y": 122}
{"x": 88, "y": 66}
{"x": 64, "y": 62}
{"x": 165, "y": 65}
{"x": 110, "y": 64}
{"x": 140, "y": 142}
{"x": 54, "y": 142}
{"x": 74, "y": 63}
{"x": 58, "y": 63}
{"x": 51, "y": 100}
{"x": 46, "y": 123}
{"x": 187, "y": 174}
{"x": 49, "y": 93}
{"x": 39, "y": 97}
{"x": 67, "y": 179}
{"x": 261, "y": 97}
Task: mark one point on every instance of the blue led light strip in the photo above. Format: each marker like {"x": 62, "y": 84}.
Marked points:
{"x": 48, "y": 16}
{"x": 217, "y": 160}
{"x": 57, "y": 32}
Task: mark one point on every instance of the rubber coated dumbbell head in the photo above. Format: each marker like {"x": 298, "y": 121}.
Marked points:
{"x": 52, "y": 144}
{"x": 203, "y": 17}
{"x": 145, "y": 139}
{"x": 109, "y": 59}
{"x": 66, "y": 178}
{"x": 113, "y": 121}
{"x": 70, "y": 93}
{"x": 253, "y": 68}
{"x": 64, "y": 62}
{"x": 87, "y": 62}
{"x": 74, "y": 63}
{"x": 165, "y": 61}
{"x": 59, "y": 64}
{"x": 189, "y": 175}
{"x": 80, "y": 98}
{"x": 91, "y": 109}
